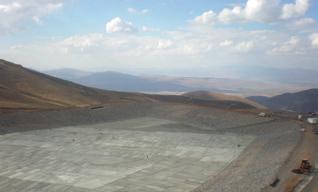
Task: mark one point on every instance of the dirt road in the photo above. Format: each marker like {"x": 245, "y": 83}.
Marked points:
{"x": 289, "y": 181}
{"x": 313, "y": 185}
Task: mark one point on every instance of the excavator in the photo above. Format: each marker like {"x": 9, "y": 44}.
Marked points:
{"x": 304, "y": 168}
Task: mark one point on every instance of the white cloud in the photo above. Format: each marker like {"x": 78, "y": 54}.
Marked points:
{"x": 117, "y": 25}
{"x": 15, "y": 15}
{"x": 264, "y": 11}
{"x": 245, "y": 46}
{"x": 7, "y": 8}
{"x": 314, "y": 39}
{"x": 239, "y": 47}
{"x": 231, "y": 15}
{"x": 297, "y": 9}
{"x": 261, "y": 10}
{"x": 81, "y": 42}
{"x": 137, "y": 11}
{"x": 253, "y": 10}
{"x": 179, "y": 49}
{"x": 304, "y": 22}
{"x": 226, "y": 43}
{"x": 208, "y": 17}
{"x": 291, "y": 46}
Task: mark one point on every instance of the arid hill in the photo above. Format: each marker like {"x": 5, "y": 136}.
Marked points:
{"x": 205, "y": 95}
{"x": 28, "y": 90}
{"x": 25, "y": 89}
{"x": 303, "y": 101}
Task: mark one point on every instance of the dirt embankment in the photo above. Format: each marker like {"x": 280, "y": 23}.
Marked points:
{"x": 24, "y": 121}
{"x": 257, "y": 166}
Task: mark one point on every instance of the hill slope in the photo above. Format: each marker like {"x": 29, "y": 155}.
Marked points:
{"x": 303, "y": 101}
{"x": 205, "y": 95}
{"x": 21, "y": 88}
{"x": 25, "y": 89}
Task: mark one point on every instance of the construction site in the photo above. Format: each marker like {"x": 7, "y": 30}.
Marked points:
{"x": 154, "y": 147}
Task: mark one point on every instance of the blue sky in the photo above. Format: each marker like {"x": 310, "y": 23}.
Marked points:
{"x": 168, "y": 36}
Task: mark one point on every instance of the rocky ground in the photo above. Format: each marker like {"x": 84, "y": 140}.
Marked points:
{"x": 180, "y": 148}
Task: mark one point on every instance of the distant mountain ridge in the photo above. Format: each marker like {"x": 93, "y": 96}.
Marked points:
{"x": 286, "y": 75}
{"x": 117, "y": 81}
{"x": 124, "y": 82}
{"x": 68, "y": 73}
{"x": 303, "y": 101}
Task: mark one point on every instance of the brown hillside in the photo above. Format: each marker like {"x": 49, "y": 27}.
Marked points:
{"x": 205, "y": 95}
{"x": 21, "y": 88}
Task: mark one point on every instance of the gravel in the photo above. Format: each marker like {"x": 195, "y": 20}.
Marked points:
{"x": 254, "y": 169}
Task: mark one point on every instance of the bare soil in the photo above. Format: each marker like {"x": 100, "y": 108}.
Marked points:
{"x": 305, "y": 149}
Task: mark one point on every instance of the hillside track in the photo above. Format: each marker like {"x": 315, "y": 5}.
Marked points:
{"x": 289, "y": 181}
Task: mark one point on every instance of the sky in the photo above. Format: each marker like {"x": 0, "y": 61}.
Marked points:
{"x": 166, "y": 37}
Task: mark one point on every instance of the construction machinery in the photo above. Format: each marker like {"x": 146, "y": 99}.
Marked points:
{"x": 304, "y": 168}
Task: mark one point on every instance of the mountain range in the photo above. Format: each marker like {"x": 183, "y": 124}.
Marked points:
{"x": 155, "y": 84}
{"x": 303, "y": 101}
{"x": 25, "y": 89}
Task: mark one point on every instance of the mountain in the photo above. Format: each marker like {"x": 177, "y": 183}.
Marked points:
{"x": 68, "y": 74}
{"x": 132, "y": 83}
{"x": 25, "y": 89}
{"x": 124, "y": 82}
{"x": 280, "y": 75}
{"x": 303, "y": 101}
{"x": 205, "y": 95}
{"x": 22, "y": 89}
{"x": 116, "y": 81}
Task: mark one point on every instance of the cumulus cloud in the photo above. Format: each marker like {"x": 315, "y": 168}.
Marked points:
{"x": 118, "y": 25}
{"x": 208, "y": 17}
{"x": 15, "y": 15}
{"x": 137, "y": 11}
{"x": 292, "y": 10}
{"x": 240, "y": 47}
{"x": 290, "y": 46}
{"x": 174, "y": 50}
{"x": 261, "y": 10}
{"x": 265, "y": 11}
{"x": 231, "y": 15}
{"x": 253, "y": 10}
{"x": 314, "y": 40}
{"x": 81, "y": 42}
{"x": 174, "y": 44}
